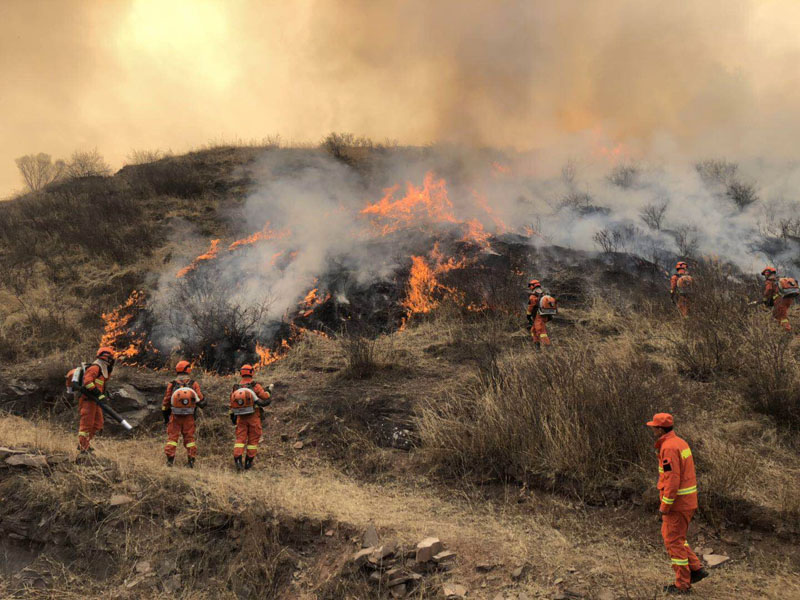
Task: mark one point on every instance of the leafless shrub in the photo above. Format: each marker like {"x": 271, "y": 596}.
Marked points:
{"x": 652, "y": 214}
{"x": 717, "y": 171}
{"x": 142, "y": 157}
{"x": 615, "y": 238}
{"x": 687, "y": 238}
{"x": 39, "y": 170}
{"x": 338, "y": 144}
{"x": 88, "y": 163}
{"x": 624, "y": 175}
{"x": 742, "y": 194}
{"x": 568, "y": 172}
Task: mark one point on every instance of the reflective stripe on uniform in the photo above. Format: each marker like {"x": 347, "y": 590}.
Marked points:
{"x": 89, "y": 386}
{"x": 683, "y": 562}
{"x": 660, "y": 469}
{"x": 543, "y": 335}
{"x": 191, "y": 445}
{"x": 172, "y": 444}
{"x": 83, "y": 434}
{"x": 668, "y": 500}
{"x": 249, "y": 447}
{"x": 689, "y": 490}
{"x": 784, "y": 320}
{"x": 238, "y": 445}
{"x": 686, "y": 453}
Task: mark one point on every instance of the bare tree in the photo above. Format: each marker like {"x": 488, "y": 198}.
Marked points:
{"x": 742, "y": 194}
{"x": 717, "y": 171}
{"x": 142, "y": 157}
{"x": 624, "y": 176}
{"x": 568, "y": 172}
{"x": 687, "y": 238}
{"x": 86, "y": 164}
{"x": 38, "y": 170}
{"x": 653, "y": 214}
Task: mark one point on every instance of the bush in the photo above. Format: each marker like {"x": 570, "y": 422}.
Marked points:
{"x": 39, "y": 170}
{"x": 88, "y": 163}
{"x": 180, "y": 178}
{"x": 624, "y": 176}
{"x": 742, "y": 194}
{"x": 571, "y": 418}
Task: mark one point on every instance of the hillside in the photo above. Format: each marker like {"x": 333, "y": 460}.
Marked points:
{"x": 408, "y": 394}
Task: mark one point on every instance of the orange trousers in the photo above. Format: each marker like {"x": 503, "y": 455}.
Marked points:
{"x": 674, "y": 526}
{"x": 781, "y": 312}
{"x": 683, "y": 305}
{"x": 91, "y": 422}
{"x": 180, "y": 425}
{"x": 539, "y": 330}
{"x": 248, "y": 433}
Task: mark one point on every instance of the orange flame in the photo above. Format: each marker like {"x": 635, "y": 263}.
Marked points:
{"x": 265, "y": 234}
{"x": 430, "y": 202}
{"x": 116, "y": 327}
{"x": 500, "y": 169}
{"x": 424, "y": 291}
{"x": 476, "y": 234}
{"x": 209, "y": 254}
{"x": 311, "y": 302}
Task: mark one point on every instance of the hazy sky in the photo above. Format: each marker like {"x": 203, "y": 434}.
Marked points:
{"x": 701, "y": 77}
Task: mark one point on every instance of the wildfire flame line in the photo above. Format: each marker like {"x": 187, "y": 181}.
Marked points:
{"x": 117, "y": 324}
{"x": 209, "y": 254}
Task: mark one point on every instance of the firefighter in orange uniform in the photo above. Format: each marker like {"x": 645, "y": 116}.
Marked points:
{"x": 541, "y": 307}
{"x": 677, "y": 487}
{"x": 95, "y": 378}
{"x": 680, "y": 287}
{"x": 247, "y": 399}
{"x": 181, "y": 400}
{"x": 779, "y": 293}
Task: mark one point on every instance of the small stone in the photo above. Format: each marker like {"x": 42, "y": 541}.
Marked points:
{"x": 16, "y": 536}
{"x": 715, "y": 560}
{"x": 484, "y": 567}
{"x": 143, "y": 566}
{"x": 523, "y": 596}
{"x": 375, "y": 576}
{"x": 329, "y": 533}
{"x": 284, "y": 437}
{"x": 398, "y": 591}
{"x": 26, "y": 460}
{"x": 360, "y": 558}
{"x": 303, "y": 430}
{"x": 427, "y": 548}
{"x": 605, "y": 594}
{"x": 120, "y": 499}
{"x": 370, "y": 536}
{"x": 499, "y": 597}
{"x": 454, "y": 590}
{"x": 172, "y": 584}
{"x": 559, "y": 580}
{"x": 517, "y": 573}
{"x": 9, "y": 451}
{"x": 297, "y": 445}
{"x": 444, "y": 556}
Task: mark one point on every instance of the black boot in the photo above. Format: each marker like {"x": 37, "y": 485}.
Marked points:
{"x": 170, "y": 461}
{"x": 237, "y": 460}
{"x": 674, "y": 589}
{"x": 190, "y": 462}
{"x": 248, "y": 463}
{"x": 701, "y": 573}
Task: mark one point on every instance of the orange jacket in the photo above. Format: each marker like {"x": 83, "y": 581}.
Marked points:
{"x": 181, "y": 379}
{"x": 533, "y": 303}
{"x": 771, "y": 289}
{"x": 677, "y": 483}
{"x": 673, "y": 283}
{"x": 262, "y": 394}
{"x": 93, "y": 380}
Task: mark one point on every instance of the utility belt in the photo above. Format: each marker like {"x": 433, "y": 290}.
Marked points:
{"x": 245, "y": 410}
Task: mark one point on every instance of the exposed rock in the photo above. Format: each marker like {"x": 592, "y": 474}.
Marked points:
{"x": 120, "y": 499}
{"x": 518, "y": 573}
{"x": 303, "y": 431}
{"x": 128, "y": 398}
{"x": 370, "y": 537}
{"x": 454, "y": 590}
{"x": 484, "y": 567}
{"x": 715, "y": 560}
{"x": 329, "y": 533}
{"x": 284, "y": 437}
{"x": 143, "y": 566}
{"x": 172, "y": 584}
{"x": 360, "y": 558}
{"x": 444, "y": 556}
{"x": 298, "y": 445}
{"x": 427, "y": 548}
{"x": 398, "y": 591}
{"x": 9, "y": 451}
{"x": 26, "y": 460}
{"x": 605, "y": 595}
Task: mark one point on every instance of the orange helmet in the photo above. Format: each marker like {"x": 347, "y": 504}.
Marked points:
{"x": 183, "y": 366}
{"x": 105, "y": 353}
{"x": 246, "y": 370}
{"x": 681, "y": 265}
{"x": 534, "y": 283}
{"x": 769, "y": 271}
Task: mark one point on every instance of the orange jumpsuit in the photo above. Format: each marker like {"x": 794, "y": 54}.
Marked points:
{"x": 181, "y": 425}
{"x": 91, "y": 414}
{"x": 677, "y": 486}
{"x": 248, "y": 427}
{"x": 681, "y": 301}
{"x": 781, "y": 306}
{"x": 539, "y": 328}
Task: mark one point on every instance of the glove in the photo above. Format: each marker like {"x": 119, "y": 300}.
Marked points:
{"x": 530, "y": 320}
{"x": 233, "y": 418}
{"x": 167, "y": 412}
{"x": 270, "y": 387}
